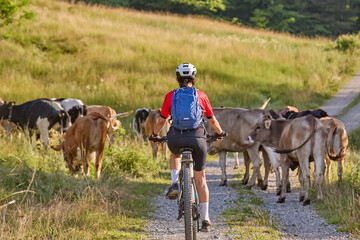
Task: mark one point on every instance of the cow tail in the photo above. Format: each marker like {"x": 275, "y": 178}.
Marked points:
{"x": 341, "y": 154}
{"x": 61, "y": 124}
{"x": 314, "y": 125}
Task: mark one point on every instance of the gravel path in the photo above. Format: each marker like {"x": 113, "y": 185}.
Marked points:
{"x": 295, "y": 220}
{"x": 343, "y": 98}
{"x": 165, "y": 225}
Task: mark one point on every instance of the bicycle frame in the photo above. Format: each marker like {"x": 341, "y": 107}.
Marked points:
{"x": 188, "y": 205}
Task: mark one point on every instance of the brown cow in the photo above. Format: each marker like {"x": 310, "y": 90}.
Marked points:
{"x": 151, "y": 120}
{"x": 297, "y": 140}
{"x": 108, "y": 112}
{"x": 338, "y": 144}
{"x": 86, "y": 136}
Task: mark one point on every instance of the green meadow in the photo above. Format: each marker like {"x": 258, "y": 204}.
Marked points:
{"x": 127, "y": 59}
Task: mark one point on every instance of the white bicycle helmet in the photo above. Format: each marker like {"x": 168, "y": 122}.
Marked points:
{"x": 186, "y": 71}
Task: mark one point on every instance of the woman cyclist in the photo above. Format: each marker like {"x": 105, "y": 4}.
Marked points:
{"x": 191, "y": 137}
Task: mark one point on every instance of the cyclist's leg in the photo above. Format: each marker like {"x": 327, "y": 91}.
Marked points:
{"x": 199, "y": 156}
{"x": 201, "y": 186}
{"x": 175, "y": 166}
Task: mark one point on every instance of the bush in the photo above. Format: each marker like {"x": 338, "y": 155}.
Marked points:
{"x": 12, "y": 10}
{"x": 347, "y": 42}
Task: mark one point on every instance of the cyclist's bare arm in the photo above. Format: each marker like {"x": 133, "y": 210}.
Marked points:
{"x": 159, "y": 125}
{"x": 215, "y": 124}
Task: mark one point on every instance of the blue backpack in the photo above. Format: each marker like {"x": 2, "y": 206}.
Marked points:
{"x": 185, "y": 110}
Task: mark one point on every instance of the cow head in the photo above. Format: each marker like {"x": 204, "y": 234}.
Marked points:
{"x": 5, "y": 109}
{"x": 262, "y": 131}
{"x": 71, "y": 156}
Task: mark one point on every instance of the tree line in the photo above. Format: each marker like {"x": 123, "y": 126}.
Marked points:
{"x": 329, "y": 18}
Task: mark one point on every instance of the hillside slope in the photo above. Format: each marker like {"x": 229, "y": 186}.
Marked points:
{"x": 127, "y": 59}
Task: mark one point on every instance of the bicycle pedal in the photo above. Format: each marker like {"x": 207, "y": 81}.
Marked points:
{"x": 173, "y": 197}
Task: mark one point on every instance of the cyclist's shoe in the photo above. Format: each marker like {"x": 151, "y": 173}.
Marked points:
{"x": 173, "y": 191}
{"x": 206, "y": 226}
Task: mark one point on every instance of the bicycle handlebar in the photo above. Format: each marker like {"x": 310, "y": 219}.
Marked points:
{"x": 209, "y": 138}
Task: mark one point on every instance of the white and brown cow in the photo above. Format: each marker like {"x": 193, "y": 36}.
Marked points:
{"x": 85, "y": 137}
{"x": 298, "y": 140}
{"x": 150, "y": 123}
{"x": 108, "y": 112}
{"x": 38, "y": 115}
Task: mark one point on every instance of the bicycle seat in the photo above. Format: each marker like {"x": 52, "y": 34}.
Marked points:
{"x": 183, "y": 149}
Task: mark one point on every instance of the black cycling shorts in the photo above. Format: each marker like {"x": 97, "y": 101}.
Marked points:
{"x": 194, "y": 139}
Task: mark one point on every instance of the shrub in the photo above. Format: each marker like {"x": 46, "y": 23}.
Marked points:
{"x": 347, "y": 42}
{"x": 12, "y": 10}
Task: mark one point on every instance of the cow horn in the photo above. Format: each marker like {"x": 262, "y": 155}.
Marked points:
{"x": 265, "y": 104}
{"x": 121, "y": 115}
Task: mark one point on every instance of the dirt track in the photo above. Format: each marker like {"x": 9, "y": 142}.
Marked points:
{"x": 295, "y": 220}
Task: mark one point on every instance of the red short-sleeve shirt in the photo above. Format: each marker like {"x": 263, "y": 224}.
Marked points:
{"x": 203, "y": 101}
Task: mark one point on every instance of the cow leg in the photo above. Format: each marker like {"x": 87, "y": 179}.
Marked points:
{"x": 274, "y": 159}
{"x": 267, "y": 166}
{"x": 164, "y": 151}
{"x": 302, "y": 185}
{"x": 247, "y": 161}
{"x": 155, "y": 149}
{"x": 327, "y": 169}
{"x": 319, "y": 169}
{"x": 43, "y": 126}
{"x": 98, "y": 162}
{"x": 305, "y": 172}
{"x": 285, "y": 165}
{"x": 256, "y": 161}
{"x": 222, "y": 163}
{"x": 340, "y": 170}
{"x": 85, "y": 160}
{"x": 236, "y": 156}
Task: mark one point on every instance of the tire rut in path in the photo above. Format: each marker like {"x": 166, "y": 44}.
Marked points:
{"x": 164, "y": 225}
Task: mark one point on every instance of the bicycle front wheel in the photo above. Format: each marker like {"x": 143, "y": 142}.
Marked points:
{"x": 188, "y": 205}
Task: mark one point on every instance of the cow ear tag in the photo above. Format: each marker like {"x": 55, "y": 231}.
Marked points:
{"x": 267, "y": 124}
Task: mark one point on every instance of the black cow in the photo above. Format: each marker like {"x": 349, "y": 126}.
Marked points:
{"x": 39, "y": 114}
{"x": 139, "y": 123}
{"x": 318, "y": 113}
{"x": 74, "y": 107}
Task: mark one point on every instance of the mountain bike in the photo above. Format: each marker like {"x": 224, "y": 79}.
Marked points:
{"x": 188, "y": 200}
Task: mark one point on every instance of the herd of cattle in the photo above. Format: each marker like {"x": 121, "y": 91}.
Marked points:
{"x": 86, "y": 127}
{"x": 284, "y": 138}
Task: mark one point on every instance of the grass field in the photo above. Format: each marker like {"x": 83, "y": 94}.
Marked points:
{"x": 127, "y": 59}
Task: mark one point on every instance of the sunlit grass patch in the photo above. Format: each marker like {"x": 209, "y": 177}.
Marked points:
{"x": 47, "y": 202}
{"x": 246, "y": 218}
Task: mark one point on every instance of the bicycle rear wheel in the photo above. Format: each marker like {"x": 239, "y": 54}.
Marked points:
{"x": 188, "y": 206}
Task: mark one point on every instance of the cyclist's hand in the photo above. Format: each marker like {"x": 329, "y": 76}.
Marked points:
{"x": 216, "y": 137}
{"x": 154, "y": 138}
{"x": 219, "y": 137}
